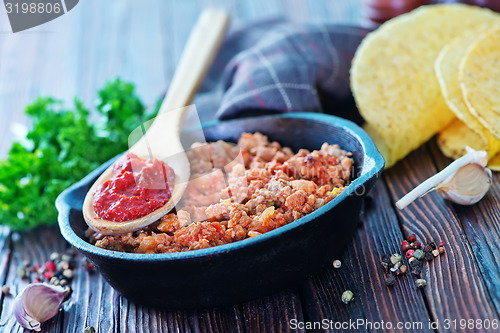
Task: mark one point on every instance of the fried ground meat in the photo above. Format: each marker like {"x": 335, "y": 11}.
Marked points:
{"x": 240, "y": 191}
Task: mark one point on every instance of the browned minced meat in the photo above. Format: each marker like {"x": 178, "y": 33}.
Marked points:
{"x": 242, "y": 191}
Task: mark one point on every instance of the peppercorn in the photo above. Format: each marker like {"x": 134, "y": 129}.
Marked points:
{"x": 433, "y": 245}
{"x": 427, "y": 248}
{"x": 395, "y": 258}
{"x": 5, "y": 290}
{"x": 435, "y": 253}
{"x": 394, "y": 270}
{"x": 441, "y": 250}
{"x": 54, "y": 256}
{"x": 419, "y": 254}
{"x": 428, "y": 256}
{"x": 411, "y": 238}
{"x": 386, "y": 260}
{"x": 441, "y": 244}
{"x": 421, "y": 283}
{"x": 403, "y": 269}
{"x": 21, "y": 272}
{"x": 416, "y": 245}
{"x": 89, "y": 329}
{"x": 347, "y": 296}
{"x": 409, "y": 253}
{"x": 337, "y": 263}
{"x": 390, "y": 279}
{"x": 26, "y": 263}
{"x": 414, "y": 263}
{"x": 50, "y": 266}
{"x": 405, "y": 245}
{"x": 416, "y": 270}
{"x": 411, "y": 260}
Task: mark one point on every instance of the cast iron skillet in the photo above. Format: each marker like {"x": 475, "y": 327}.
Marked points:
{"x": 251, "y": 268}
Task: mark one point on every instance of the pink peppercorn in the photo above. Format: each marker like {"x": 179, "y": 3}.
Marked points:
{"x": 409, "y": 253}
{"x": 441, "y": 244}
{"x": 412, "y": 238}
{"x": 48, "y": 275}
{"x": 50, "y": 266}
{"x": 405, "y": 245}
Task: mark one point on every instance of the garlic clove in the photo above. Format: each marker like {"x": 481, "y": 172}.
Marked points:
{"x": 467, "y": 186}
{"x": 463, "y": 190}
{"x": 38, "y": 302}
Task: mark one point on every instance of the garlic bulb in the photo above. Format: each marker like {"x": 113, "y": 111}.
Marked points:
{"x": 37, "y": 303}
{"x": 465, "y": 181}
{"x": 467, "y": 186}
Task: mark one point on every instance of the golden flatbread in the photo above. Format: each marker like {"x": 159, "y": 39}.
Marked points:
{"x": 393, "y": 79}
{"x": 454, "y": 138}
{"x": 480, "y": 80}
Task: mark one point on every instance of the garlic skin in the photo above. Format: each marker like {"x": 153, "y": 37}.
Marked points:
{"x": 465, "y": 181}
{"x": 467, "y": 186}
{"x": 38, "y": 302}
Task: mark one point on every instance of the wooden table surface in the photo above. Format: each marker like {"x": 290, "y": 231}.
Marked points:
{"x": 141, "y": 41}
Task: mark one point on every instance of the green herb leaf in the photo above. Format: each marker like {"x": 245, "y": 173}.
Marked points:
{"x": 65, "y": 148}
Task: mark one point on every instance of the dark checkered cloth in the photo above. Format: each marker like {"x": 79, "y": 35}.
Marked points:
{"x": 276, "y": 66}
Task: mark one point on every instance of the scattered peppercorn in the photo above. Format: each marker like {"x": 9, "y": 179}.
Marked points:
{"x": 428, "y": 256}
{"x": 416, "y": 245}
{"x": 411, "y": 259}
{"x": 416, "y": 270}
{"x": 441, "y": 244}
{"x": 414, "y": 263}
{"x": 405, "y": 246}
{"x": 395, "y": 258}
{"x": 435, "y": 253}
{"x": 390, "y": 279}
{"x": 409, "y": 253}
{"x": 337, "y": 263}
{"x": 21, "y": 272}
{"x": 347, "y": 296}
{"x": 412, "y": 238}
{"x": 419, "y": 254}
{"x": 403, "y": 269}
{"x": 427, "y": 248}
{"x": 421, "y": 283}
{"x": 441, "y": 250}
{"x": 433, "y": 245}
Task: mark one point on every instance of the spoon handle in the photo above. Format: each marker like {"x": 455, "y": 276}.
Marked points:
{"x": 199, "y": 52}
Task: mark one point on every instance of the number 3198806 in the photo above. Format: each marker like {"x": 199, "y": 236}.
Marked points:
{"x": 33, "y": 7}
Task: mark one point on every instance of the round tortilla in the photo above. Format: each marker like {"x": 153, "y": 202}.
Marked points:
{"x": 393, "y": 79}
{"x": 468, "y": 130}
{"x": 480, "y": 80}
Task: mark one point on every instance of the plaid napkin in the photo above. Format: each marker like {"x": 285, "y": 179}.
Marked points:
{"x": 277, "y": 66}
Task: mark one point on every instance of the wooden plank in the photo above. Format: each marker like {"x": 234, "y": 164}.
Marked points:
{"x": 481, "y": 225}
{"x": 453, "y": 280}
{"x": 273, "y": 313}
{"x": 361, "y": 272}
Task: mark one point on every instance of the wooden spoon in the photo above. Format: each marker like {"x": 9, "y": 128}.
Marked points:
{"x": 162, "y": 138}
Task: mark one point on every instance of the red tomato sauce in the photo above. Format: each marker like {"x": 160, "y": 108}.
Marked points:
{"x": 129, "y": 195}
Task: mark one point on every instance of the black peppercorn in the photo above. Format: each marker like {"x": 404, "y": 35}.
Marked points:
{"x": 428, "y": 256}
{"x": 390, "y": 279}
{"x": 433, "y": 245}
{"x": 416, "y": 270}
{"x": 414, "y": 263}
{"x": 427, "y": 248}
